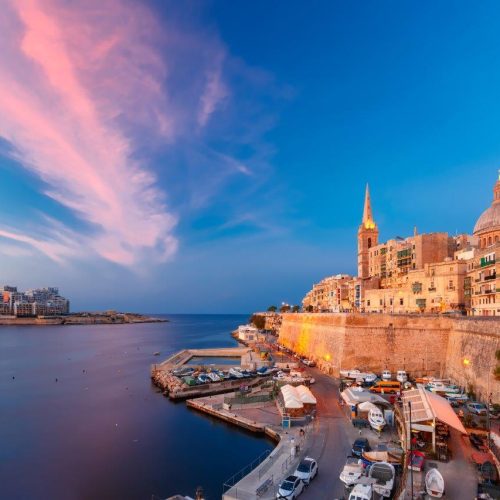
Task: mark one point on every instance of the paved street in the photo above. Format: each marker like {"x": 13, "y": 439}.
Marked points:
{"x": 334, "y": 442}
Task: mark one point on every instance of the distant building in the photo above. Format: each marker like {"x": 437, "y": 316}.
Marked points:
{"x": 33, "y": 302}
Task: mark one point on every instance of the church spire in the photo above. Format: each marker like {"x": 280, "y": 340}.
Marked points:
{"x": 367, "y": 212}
{"x": 368, "y": 221}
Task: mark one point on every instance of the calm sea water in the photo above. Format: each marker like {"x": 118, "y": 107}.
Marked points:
{"x": 102, "y": 431}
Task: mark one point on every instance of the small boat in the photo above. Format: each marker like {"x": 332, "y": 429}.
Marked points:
{"x": 204, "y": 379}
{"x": 434, "y": 483}
{"x": 439, "y": 386}
{"x": 386, "y": 375}
{"x": 402, "y": 376}
{"x": 384, "y": 473}
{"x": 235, "y": 373}
{"x": 375, "y": 416}
{"x": 458, "y": 398}
{"x": 157, "y": 353}
{"x": 213, "y": 377}
{"x": 371, "y": 457}
{"x": 352, "y": 471}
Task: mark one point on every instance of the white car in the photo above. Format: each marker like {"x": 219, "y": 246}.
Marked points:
{"x": 290, "y": 488}
{"x": 307, "y": 470}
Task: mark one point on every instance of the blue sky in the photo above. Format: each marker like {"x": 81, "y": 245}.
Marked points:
{"x": 212, "y": 156}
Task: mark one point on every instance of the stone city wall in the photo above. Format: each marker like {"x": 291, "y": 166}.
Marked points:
{"x": 421, "y": 345}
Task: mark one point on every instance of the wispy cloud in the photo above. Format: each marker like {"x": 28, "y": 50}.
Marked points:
{"x": 79, "y": 85}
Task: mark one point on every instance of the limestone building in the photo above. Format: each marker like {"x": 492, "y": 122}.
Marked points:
{"x": 483, "y": 285}
{"x": 432, "y": 273}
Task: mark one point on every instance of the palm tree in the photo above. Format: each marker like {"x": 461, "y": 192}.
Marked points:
{"x": 295, "y": 309}
{"x": 272, "y": 308}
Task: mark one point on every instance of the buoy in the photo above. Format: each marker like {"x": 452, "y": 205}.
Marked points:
{"x": 56, "y": 380}
{"x": 13, "y": 378}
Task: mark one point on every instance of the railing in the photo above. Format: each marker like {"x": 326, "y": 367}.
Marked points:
{"x": 243, "y": 472}
{"x": 490, "y": 277}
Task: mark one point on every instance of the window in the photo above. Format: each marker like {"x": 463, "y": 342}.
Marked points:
{"x": 401, "y": 302}
{"x": 391, "y": 301}
{"x": 367, "y": 302}
{"x": 369, "y": 242}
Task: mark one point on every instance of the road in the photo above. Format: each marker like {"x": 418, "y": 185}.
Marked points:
{"x": 333, "y": 444}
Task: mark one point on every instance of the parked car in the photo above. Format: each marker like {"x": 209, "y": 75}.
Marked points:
{"x": 307, "y": 470}
{"x": 309, "y": 362}
{"x": 477, "y": 408}
{"x": 359, "y": 446}
{"x": 290, "y": 488}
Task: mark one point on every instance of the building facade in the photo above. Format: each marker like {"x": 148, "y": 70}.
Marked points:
{"x": 33, "y": 302}
{"x": 422, "y": 273}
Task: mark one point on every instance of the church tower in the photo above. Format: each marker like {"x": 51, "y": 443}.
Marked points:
{"x": 367, "y": 237}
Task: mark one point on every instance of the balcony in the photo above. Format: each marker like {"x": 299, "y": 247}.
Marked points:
{"x": 432, "y": 289}
{"x": 490, "y": 277}
{"x": 485, "y": 263}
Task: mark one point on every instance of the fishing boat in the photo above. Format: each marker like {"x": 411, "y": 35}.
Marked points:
{"x": 384, "y": 474}
{"x": 375, "y": 416}
{"x": 235, "y": 373}
{"x": 434, "y": 483}
{"x": 352, "y": 471}
{"x": 204, "y": 378}
{"x": 213, "y": 376}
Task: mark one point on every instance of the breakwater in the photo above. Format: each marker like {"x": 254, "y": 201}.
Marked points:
{"x": 461, "y": 348}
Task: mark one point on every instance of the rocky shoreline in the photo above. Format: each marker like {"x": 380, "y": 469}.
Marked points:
{"x": 84, "y": 318}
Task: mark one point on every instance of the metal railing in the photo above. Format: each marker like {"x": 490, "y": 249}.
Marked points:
{"x": 229, "y": 483}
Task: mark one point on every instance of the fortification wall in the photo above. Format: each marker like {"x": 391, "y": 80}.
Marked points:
{"x": 421, "y": 345}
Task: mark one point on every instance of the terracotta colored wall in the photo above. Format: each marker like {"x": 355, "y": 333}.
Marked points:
{"x": 422, "y": 345}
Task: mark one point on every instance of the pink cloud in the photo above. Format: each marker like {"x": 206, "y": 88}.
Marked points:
{"x": 77, "y": 84}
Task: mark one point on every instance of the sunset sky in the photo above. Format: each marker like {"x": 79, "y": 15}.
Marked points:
{"x": 211, "y": 156}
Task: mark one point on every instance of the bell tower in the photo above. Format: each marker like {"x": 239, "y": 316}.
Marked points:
{"x": 367, "y": 237}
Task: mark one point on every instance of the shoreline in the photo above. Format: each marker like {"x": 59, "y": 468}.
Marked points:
{"x": 81, "y": 319}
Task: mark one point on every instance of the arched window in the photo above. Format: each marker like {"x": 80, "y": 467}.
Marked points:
{"x": 489, "y": 240}
{"x": 369, "y": 242}
{"x": 496, "y": 238}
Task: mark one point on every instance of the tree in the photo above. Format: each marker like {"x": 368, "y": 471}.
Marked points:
{"x": 285, "y": 308}
{"x": 272, "y": 309}
{"x": 295, "y": 309}
{"x": 309, "y": 308}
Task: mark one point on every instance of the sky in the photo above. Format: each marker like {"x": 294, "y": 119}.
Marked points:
{"x": 211, "y": 156}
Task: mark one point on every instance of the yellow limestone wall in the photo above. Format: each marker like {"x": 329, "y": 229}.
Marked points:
{"x": 421, "y": 345}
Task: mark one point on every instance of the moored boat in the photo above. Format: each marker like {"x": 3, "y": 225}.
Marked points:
{"x": 384, "y": 473}
{"x": 434, "y": 483}
{"x": 375, "y": 416}
{"x": 352, "y": 471}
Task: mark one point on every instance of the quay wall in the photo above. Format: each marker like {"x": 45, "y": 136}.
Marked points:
{"x": 421, "y": 345}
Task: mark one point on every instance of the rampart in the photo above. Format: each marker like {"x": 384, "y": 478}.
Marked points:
{"x": 460, "y": 348}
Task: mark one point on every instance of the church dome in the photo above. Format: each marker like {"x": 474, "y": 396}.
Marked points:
{"x": 489, "y": 220}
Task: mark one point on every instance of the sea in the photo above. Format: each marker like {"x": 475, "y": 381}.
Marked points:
{"x": 80, "y": 418}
